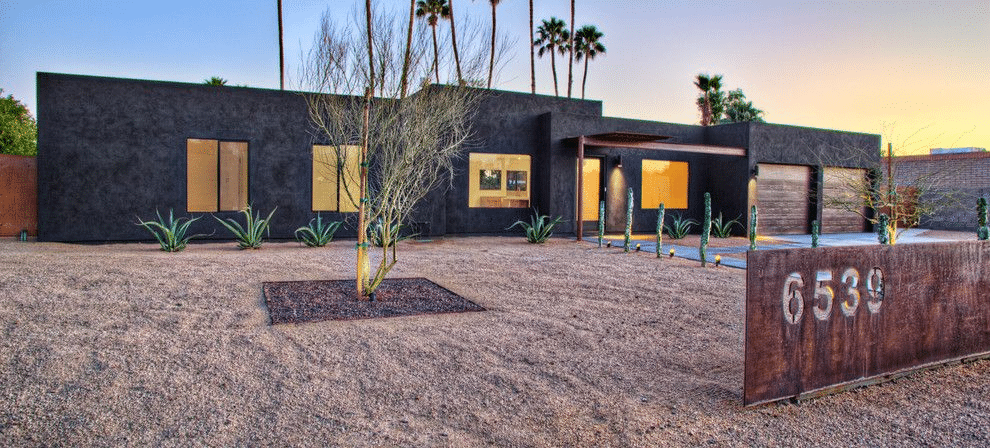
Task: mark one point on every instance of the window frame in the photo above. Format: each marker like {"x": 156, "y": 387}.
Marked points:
{"x": 217, "y": 179}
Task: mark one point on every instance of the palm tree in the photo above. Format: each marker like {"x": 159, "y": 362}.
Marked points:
{"x": 433, "y": 10}
{"x": 552, "y": 37}
{"x": 405, "y": 59}
{"x": 570, "y": 51}
{"x": 215, "y": 81}
{"x": 453, "y": 40}
{"x": 532, "y": 54}
{"x": 710, "y": 102}
{"x": 491, "y": 60}
{"x": 281, "y": 51}
{"x": 587, "y": 45}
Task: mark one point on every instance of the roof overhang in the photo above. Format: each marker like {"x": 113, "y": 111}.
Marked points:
{"x": 653, "y": 142}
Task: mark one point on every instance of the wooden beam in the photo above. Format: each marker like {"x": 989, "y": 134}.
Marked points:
{"x": 662, "y": 146}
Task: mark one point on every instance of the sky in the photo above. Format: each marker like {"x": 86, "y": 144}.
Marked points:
{"x": 914, "y": 72}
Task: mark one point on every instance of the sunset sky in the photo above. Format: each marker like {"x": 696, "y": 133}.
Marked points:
{"x": 914, "y": 72}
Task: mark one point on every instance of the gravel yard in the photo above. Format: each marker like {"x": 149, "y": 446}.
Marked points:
{"x": 122, "y": 344}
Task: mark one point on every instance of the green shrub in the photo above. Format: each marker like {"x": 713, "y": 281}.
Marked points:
{"x": 660, "y": 213}
{"x": 706, "y": 230}
{"x": 539, "y": 229}
{"x": 629, "y": 213}
{"x": 679, "y": 227}
{"x": 814, "y": 233}
{"x": 752, "y": 229}
{"x": 318, "y": 234}
{"x": 883, "y": 229}
{"x": 249, "y": 236}
{"x": 376, "y": 233}
{"x": 171, "y": 234}
{"x": 722, "y": 228}
{"x": 601, "y": 222}
{"x": 982, "y": 231}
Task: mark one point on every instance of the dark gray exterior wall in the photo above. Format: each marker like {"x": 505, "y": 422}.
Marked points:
{"x": 113, "y": 149}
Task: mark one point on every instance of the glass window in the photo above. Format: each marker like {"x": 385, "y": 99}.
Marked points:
{"x": 336, "y": 178}
{"x": 665, "y": 182}
{"x": 216, "y": 175}
{"x": 499, "y": 180}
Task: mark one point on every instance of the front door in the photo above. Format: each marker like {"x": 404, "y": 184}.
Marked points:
{"x": 591, "y": 188}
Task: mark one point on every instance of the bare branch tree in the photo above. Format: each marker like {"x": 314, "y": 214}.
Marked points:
{"x": 412, "y": 141}
{"x": 882, "y": 188}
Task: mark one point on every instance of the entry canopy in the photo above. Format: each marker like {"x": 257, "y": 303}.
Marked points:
{"x": 636, "y": 140}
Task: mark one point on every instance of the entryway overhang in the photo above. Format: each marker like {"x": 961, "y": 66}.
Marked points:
{"x": 635, "y": 141}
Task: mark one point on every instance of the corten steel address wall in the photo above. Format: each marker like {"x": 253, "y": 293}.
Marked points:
{"x": 821, "y": 319}
{"x": 18, "y": 195}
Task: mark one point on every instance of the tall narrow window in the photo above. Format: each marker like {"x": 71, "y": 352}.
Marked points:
{"x": 216, "y": 175}
{"x": 665, "y": 182}
{"x": 336, "y": 178}
{"x": 499, "y": 180}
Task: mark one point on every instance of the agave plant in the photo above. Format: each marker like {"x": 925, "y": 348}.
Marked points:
{"x": 539, "y": 229}
{"x": 679, "y": 227}
{"x": 722, "y": 228}
{"x": 318, "y": 234}
{"x": 171, "y": 234}
{"x": 249, "y": 236}
{"x": 376, "y": 233}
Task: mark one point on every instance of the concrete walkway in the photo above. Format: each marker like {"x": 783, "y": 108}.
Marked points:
{"x": 909, "y": 236}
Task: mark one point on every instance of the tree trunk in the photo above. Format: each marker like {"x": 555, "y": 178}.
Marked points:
{"x": 405, "y": 60}
{"x": 371, "y": 54}
{"x": 281, "y": 51}
{"x": 453, "y": 41}
{"x": 436, "y": 54}
{"x": 553, "y": 66}
{"x": 491, "y": 57}
{"x": 532, "y": 50}
{"x": 570, "y": 57}
{"x": 584, "y": 80}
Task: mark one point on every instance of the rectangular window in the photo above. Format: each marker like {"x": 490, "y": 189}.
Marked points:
{"x": 336, "y": 178}
{"x": 665, "y": 182}
{"x": 216, "y": 175}
{"x": 499, "y": 180}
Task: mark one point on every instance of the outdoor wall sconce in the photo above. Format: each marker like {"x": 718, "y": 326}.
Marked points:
{"x": 618, "y": 161}
{"x": 755, "y": 171}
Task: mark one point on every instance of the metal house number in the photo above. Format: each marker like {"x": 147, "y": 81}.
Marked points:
{"x": 849, "y": 285}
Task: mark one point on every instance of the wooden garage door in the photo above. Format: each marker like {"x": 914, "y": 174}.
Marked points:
{"x": 841, "y": 195}
{"x": 782, "y": 198}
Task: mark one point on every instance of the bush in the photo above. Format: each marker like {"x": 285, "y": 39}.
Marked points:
{"x": 171, "y": 234}
{"x": 317, "y": 235}
{"x": 376, "y": 233}
{"x": 539, "y": 229}
{"x": 679, "y": 227}
{"x": 249, "y": 236}
{"x": 722, "y": 228}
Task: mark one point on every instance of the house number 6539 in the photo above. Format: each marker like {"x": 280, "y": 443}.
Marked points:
{"x": 849, "y": 284}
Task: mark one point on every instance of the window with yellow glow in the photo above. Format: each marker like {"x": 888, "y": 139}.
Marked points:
{"x": 216, "y": 175}
{"x": 665, "y": 182}
{"x": 499, "y": 180}
{"x": 336, "y": 178}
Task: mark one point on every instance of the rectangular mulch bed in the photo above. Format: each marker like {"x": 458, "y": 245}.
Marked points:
{"x": 319, "y": 300}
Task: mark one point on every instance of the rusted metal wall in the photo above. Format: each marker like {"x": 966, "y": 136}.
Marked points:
{"x": 822, "y": 319}
{"x": 18, "y": 195}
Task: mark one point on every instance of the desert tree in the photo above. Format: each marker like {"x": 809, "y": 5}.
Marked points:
{"x": 738, "y": 109}
{"x": 711, "y": 100}
{"x": 433, "y": 10}
{"x": 532, "y": 51}
{"x": 404, "y": 146}
{"x": 883, "y": 189}
{"x": 18, "y": 129}
{"x": 587, "y": 45}
{"x": 552, "y": 37}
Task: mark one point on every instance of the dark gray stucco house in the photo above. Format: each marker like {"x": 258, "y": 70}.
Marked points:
{"x": 111, "y": 149}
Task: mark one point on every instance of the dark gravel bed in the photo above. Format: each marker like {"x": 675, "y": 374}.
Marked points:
{"x": 320, "y": 300}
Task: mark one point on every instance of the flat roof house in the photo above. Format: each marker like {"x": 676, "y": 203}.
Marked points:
{"x": 111, "y": 149}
